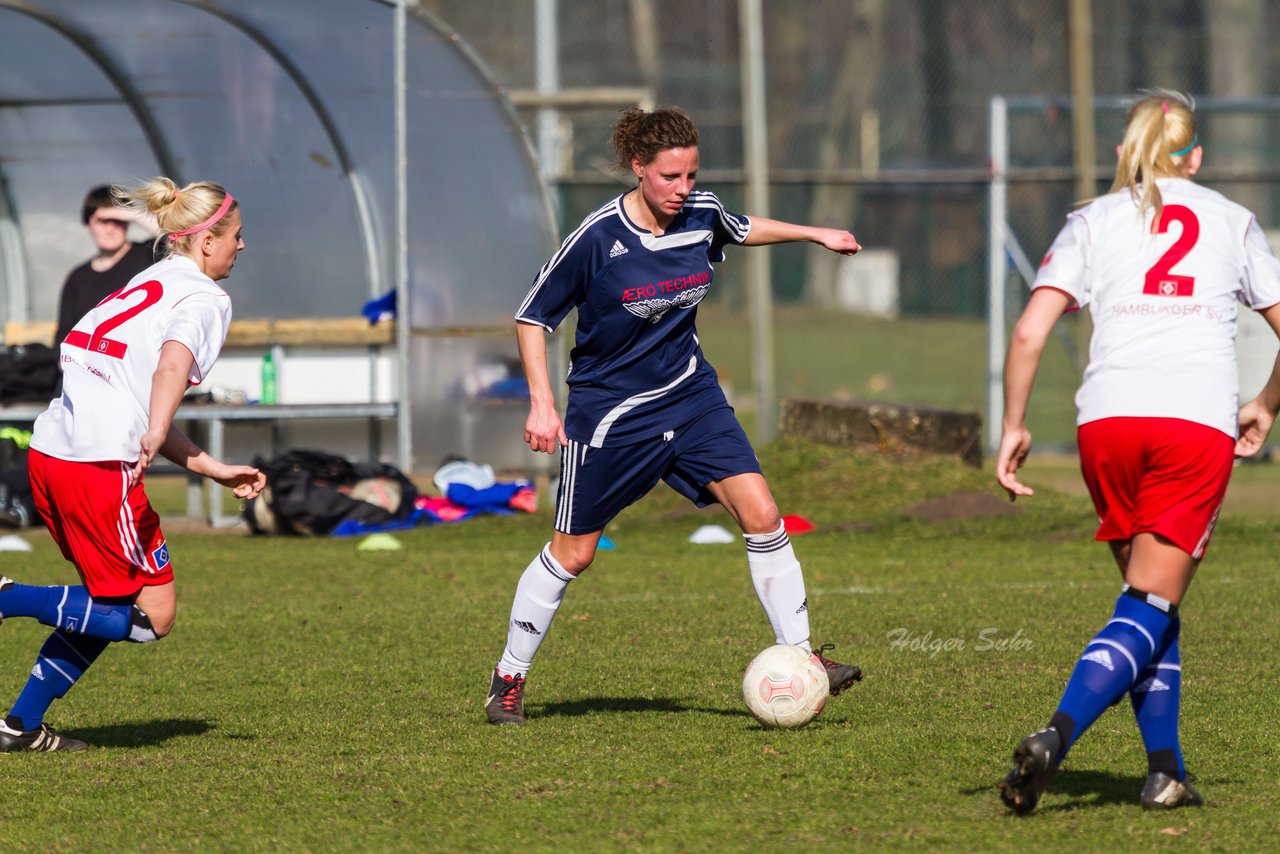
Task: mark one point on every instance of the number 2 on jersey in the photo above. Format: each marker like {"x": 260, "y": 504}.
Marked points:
{"x": 98, "y": 342}
{"x": 1160, "y": 280}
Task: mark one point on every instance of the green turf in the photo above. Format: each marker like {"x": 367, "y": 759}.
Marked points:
{"x": 314, "y": 697}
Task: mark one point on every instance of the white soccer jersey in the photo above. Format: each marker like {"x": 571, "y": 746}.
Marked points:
{"x": 1163, "y": 296}
{"x": 110, "y": 356}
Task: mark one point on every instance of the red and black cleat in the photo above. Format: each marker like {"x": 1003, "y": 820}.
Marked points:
{"x": 505, "y": 704}
{"x": 839, "y": 676}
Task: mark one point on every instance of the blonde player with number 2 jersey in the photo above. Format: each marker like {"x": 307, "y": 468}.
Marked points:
{"x": 126, "y": 365}
{"x": 1164, "y": 265}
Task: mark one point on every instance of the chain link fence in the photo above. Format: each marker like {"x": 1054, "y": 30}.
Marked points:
{"x": 878, "y": 121}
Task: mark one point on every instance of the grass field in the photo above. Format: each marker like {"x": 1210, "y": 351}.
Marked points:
{"x": 317, "y": 698}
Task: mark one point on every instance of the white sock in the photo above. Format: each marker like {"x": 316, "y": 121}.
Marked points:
{"x": 538, "y": 596}
{"x": 779, "y": 583}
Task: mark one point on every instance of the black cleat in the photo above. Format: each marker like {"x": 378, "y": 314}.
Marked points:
{"x": 839, "y": 676}
{"x": 1162, "y": 792}
{"x": 43, "y": 739}
{"x": 1035, "y": 760}
{"x": 506, "y": 699}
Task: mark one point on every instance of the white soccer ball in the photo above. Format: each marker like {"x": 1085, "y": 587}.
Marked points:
{"x": 785, "y": 687}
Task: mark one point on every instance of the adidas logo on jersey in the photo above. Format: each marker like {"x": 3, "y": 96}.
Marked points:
{"x": 804, "y": 606}
{"x": 618, "y": 249}
{"x": 1099, "y": 656}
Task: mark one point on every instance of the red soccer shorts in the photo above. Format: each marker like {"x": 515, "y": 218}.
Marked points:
{"x": 1163, "y": 476}
{"x": 109, "y": 531}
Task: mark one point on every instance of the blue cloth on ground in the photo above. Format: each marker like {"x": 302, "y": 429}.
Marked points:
{"x": 490, "y": 499}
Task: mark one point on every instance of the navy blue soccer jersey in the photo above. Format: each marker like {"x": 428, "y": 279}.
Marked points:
{"x": 636, "y": 369}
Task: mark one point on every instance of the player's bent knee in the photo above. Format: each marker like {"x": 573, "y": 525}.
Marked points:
{"x": 578, "y": 562}
{"x": 765, "y": 522}
{"x": 573, "y": 555}
{"x": 144, "y": 629}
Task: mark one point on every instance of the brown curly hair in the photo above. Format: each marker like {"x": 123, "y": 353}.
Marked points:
{"x": 644, "y": 135}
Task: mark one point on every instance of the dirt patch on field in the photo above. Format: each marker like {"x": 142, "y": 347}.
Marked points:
{"x": 856, "y": 526}
{"x": 962, "y": 505}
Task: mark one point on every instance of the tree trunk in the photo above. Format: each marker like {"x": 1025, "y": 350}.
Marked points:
{"x": 1238, "y": 46}
{"x": 834, "y": 205}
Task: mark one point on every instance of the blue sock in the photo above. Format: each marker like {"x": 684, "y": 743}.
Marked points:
{"x": 70, "y": 608}
{"x": 1112, "y": 662}
{"x": 63, "y": 659}
{"x": 1155, "y": 701}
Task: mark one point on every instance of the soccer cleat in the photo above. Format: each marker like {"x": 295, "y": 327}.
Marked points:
{"x": 1035, "y": 761}
{"x": 1162, "y": 792}
{"x": 839, "y": 676}
{"x": 42, "y": 739}
{"x": 506, "y": 699}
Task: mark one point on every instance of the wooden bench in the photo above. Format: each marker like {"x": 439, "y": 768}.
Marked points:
{"x": 251, "y": 332}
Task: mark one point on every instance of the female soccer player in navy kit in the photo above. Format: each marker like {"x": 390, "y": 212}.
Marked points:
{"x": 126, "y": 365}
{"x": 1162, "y": 263}
{"x": 644, "y": 404}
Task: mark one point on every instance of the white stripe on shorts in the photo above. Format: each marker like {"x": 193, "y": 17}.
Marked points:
{"x": 571, "y": 457}
{"x": 1198, "y": 552}
{"x": 130, "y": 547}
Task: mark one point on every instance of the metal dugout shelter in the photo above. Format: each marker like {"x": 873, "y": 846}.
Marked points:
{"x": 369, "y": 148}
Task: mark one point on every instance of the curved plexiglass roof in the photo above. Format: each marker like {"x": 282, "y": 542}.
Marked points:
{"x": 290, "y": 104}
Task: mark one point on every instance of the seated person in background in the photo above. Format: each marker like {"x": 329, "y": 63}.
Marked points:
{"x": 116, "y": 262}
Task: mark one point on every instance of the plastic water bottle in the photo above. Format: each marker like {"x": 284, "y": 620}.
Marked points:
{"x": 268, "y": 380}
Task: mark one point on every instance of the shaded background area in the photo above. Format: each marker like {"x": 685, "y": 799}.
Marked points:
{"x": 877, "y": 120}
{"x": 293, "y": 107}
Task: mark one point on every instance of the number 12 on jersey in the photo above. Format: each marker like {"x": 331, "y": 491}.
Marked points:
{"x": 1161, "y": 280}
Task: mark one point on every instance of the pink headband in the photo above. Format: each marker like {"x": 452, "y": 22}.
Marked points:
{"x": 217, "y": 215}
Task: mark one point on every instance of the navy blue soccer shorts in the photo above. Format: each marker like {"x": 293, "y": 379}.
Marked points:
{"x": 596, "y": 484}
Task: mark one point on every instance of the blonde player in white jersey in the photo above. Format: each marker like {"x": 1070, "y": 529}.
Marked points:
{"x": 125, "y": 367}
{"x": 1163, "y": 265}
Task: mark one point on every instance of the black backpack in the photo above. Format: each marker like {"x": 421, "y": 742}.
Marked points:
{"x": 17, "y": 506}
{"x": 312, "y": 492}
{"x": 29, "y": 374}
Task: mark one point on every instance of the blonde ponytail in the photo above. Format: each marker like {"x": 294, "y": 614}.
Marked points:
{"x": 1160, "y": 132}
{"x": 178, "y": 209}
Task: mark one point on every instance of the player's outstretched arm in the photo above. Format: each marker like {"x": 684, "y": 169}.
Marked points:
{"x": 765, "y": 231}
{"x": 1258, "y": 415}
{"x": 244, "y": 481}
{"x": 168, "y": 384}
{"x": 543, "y": 429}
